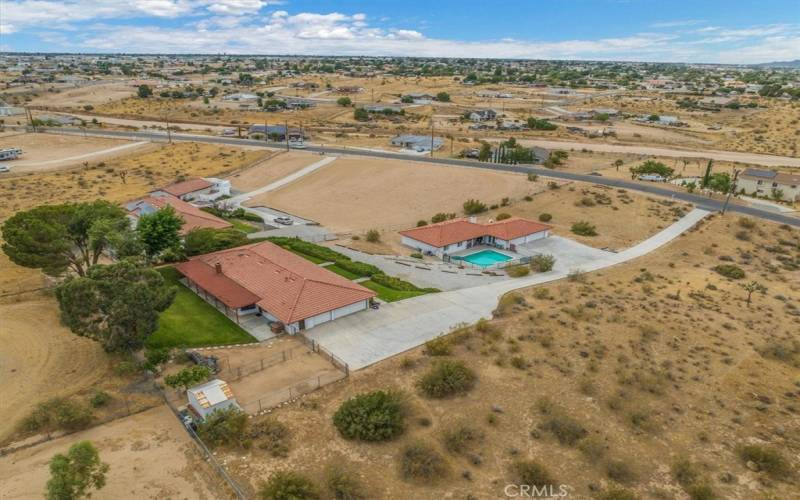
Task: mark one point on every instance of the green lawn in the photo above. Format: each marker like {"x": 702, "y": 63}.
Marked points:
{"x": 190, "y": 321}
{"x": 243, "y": 226}
{"x": 341, "y": 272}
{"x": 389, "y": 294}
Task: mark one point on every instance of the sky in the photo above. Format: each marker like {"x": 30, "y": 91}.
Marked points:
{"x": 731, "y": 31}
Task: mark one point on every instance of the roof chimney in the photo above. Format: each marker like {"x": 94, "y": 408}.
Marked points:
{"x": 473, "y": 219}
{"x": 218, "y": 267}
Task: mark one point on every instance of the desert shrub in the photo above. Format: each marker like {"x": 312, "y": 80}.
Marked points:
{"x": 584, "y": 228}
{"x": 593, "y": 447}
{"x": 373, "y": 236}
{"x": 440, "y": 346}
{"x": 226, "y": 427}
{"x": 531, "y": 473}
{"x": 518, "y": 362}
{"x": 415, "y": 255}
{"x": 767, "y": 459}
{"x": 57, "y": 413}
{"x": 685, "y": 472}
{"x": 422, "y": 222}
{"x": 533, "y": 177}
{"x": 503, "y": 216}
{"x": 99, "y": 398}
{"x": 730, "y": 271}
{"x": 566, "y": 429}
{"x": 287, "y": 485}
{"x": 700, "y": 491}
{"x": 343, "y": 484}
{"x": 747, "y": 222}
{"x": 272, "y": 436}
{"x": 508, "y": 303}
{"x": 373, "y": 416}
{"x": 620, "y": 471}
{"x": 787, "y": 351}
{"x": 460, "y": 438}
{"x": 518, "y": 271}
{"x": 543, "y": 263}
{"x": 545, "y": 217}
{"x": 421, "y": 462}
{"x": 586, "y": 202}
{"x": 447, "y": 378}
{"x": 472, "y": 207}
{"x": 441, "y": 217}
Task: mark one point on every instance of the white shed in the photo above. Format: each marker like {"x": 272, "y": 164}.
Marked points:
{"x": 211, "y": 396}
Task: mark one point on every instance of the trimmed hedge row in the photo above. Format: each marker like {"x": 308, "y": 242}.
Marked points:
{"x": 361, "y": 269}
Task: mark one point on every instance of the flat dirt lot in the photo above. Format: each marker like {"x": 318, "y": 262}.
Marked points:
{"x": 271, "y": 385}
{"x": 271, "y": 169}
{"x": 606, "y": 381}
{"x": 50, "y": 151}
{"x": 356, "y": 194}
{"x": 41, "y": 359}
{"x": 93, "y": 95}
{"x": 149, "y": 454}
{"x": 352, "y": 195}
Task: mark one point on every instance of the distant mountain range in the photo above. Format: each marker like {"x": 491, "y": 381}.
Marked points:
{"x": 780, "y": 64}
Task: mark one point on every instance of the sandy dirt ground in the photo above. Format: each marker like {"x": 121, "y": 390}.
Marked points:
{"x": 150, "y": 457}
{"x": 50, "y": 151}
{"x": 645, "y": 378}
{"x": 93, "y": 95}
{"x": 40, "y": 359}
{"x": 355, "y": 194}
{"x": 273, "y": 168}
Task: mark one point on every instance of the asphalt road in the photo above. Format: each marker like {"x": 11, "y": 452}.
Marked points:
{"x": 698, "y": 200}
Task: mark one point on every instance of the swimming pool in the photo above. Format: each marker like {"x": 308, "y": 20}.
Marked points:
{"x": 486, "y": 258}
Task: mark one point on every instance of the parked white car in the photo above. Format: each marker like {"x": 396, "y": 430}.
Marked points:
{"x": 4, "y": 168}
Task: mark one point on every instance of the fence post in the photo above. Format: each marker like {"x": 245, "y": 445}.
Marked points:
{"x": 284, "y": 355}
{"x": 259, "y": 405}
{"x": 262, "y": 363}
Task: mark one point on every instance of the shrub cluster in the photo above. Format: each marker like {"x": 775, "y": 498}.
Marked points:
{"x": 284, "y": 485}
{"x": 421, "y": 462}
{"x": 58, "y": 414}
{"x": 447, "y": 378}
{"x": 731, "y": 271}
{"x": 472, "y": 207}
{"x": 543, "y": 263}
{"x": 373, "y": 416}
{"x": 584, "y": 228}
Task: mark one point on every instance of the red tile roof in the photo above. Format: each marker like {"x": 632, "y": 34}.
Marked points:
{"x": 193, "y": 217}
{"x": 453, "y": 231}
{"x": 287, "y": 286}
{"x": 185, "y": 187}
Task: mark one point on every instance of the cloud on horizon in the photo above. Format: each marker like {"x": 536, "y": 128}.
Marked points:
{"x": 258, "y": 27}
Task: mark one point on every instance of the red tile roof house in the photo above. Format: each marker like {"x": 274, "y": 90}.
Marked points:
{"x": 281, "y": 286}
{"x": 202, "y": 190}
{"x": 445, "y": 238}
{"x": 193, "y": 217}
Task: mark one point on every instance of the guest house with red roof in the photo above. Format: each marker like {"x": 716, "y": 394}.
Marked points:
{"x": 263, "y": 278}
{"x": 193, "y": 217}
{"x": 198, "y": 190}
{"x": 446, "y": 238}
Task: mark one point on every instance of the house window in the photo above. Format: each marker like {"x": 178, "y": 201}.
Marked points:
{"x": 759, "y": 182}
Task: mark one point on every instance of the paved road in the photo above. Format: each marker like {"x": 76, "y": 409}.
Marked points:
{"x": 368, "y": 337}
{"x": 699, "y": 200}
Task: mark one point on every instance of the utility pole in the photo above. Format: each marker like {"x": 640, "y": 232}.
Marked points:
{"x": 431, "y": 136}
{"x": 169, "y": 134}
{"x": 730, "y": 191}
{"x": 266, "y": 135}
{"x": 286, "y": 133}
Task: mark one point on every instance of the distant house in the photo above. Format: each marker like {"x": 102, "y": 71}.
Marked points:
{"x": 605, "y": 111}
{"x": 208, "y": 189}
{"x": 418, "y": 97}
{"x": 352, "y": 89}
{"x": 10, "y": 153}
{"x": 758, "y": 182}
{"x": 240, "y": 97}
{"x": 214, "y": 395}
{"x": 383, "y": 108}
{"x": 193, "y": 217}
{"x": 455, "y": 235}
{"x": 419, "y": 143}
{"x": 482, "y": 115}
{"x": 278, "y": 285}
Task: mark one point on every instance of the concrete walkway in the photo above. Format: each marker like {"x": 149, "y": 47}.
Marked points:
{"x": 367, "y": 337}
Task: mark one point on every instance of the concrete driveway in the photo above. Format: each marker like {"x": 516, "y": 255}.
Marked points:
{"x": 367, "y": 337}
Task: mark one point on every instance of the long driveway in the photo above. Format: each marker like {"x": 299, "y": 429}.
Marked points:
{"x": 696, "y": 199}
{"x": 370, "y": 336}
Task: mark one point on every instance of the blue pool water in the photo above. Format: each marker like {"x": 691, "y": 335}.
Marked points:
{"x": 486, "y": 258}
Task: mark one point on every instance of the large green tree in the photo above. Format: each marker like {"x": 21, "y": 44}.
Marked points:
{"x": 116, "y": 304}
{"x": 206, "y": 240}
{"x": 73, "y": 475}
{"x": 159, "y": 231}
{"x": 57, "y": 238}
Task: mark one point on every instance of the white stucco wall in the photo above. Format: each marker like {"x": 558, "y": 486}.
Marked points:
{"x": 418, "y": 245}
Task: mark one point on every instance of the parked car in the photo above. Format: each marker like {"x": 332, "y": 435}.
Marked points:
{"x": 286, "y": 221}
{"x": 187, "y": 419}
{"x": 4, "y": 168}
{"x": 297, "y": 145}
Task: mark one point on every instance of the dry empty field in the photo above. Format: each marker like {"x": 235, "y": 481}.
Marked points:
{"x": 51, "y": 151}
{"x": 92, "y": 95}
{"x": 356, "y": 194}
{"x": 271, "y": 169}
{"x": 41, "y": 359}
{"x": 607, "y": 381}
{"x": 149, "y": 454}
